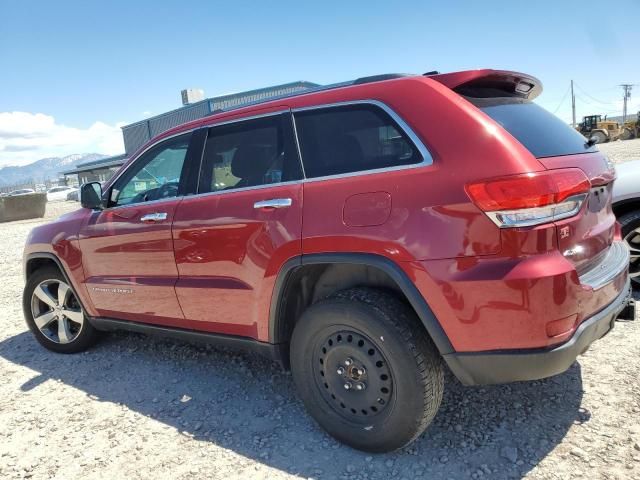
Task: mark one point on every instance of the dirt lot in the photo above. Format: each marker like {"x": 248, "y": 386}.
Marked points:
{"x": 135, "y": 407}
{"x": 621, "y": 151}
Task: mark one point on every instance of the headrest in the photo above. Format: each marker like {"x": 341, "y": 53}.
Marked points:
{"x": 251, "y": 161}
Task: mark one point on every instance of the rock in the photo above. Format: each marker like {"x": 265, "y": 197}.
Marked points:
{"x": 578, "y": 452}
{"x": 510, "y": 453}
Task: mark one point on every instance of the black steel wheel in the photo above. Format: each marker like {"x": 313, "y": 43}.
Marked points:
{"x": 353, "y": 375}
{"x": 366, "y": 369}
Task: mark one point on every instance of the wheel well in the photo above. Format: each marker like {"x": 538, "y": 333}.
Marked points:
{"x": 303, "y": 285}
{"x": 37, "y": 263}
{"x": 626, "y": 206}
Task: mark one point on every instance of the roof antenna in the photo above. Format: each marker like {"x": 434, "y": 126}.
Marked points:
{"x": 432, "y": 72}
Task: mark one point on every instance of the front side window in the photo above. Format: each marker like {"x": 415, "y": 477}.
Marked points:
{"x": 248, "y": 154}
{"x": 351, "y": 138}
{"x": 155, "y": 176}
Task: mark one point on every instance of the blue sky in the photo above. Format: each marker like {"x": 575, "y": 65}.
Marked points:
{"x": 89, "y": 67}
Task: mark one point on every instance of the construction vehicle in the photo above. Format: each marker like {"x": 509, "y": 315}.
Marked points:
{"x": 631, "y": 129}
{"x": 594, "y": 128}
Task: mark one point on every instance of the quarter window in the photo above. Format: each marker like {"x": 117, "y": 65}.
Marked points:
{"x": 352, "y": 138}
{"x": 249, "y": 154}
{"x": 155, "y": 176}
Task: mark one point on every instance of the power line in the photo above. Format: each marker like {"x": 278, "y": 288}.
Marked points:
{"x": 591, "y": 96}
{"x": 564, "y": 97}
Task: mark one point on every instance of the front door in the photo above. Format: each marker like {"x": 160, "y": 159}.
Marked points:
{"x": 231, "y": 238}
{"x": 127, "y": 248}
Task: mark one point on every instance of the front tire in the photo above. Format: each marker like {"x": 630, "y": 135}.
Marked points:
{"x": 54, "y": 315}
{"x": 366, "y": 370}
{"x": 627, "y": 134}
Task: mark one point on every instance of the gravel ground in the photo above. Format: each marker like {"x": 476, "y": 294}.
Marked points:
{"x": 139, "y": 407}
{"x": 622, "y": 151}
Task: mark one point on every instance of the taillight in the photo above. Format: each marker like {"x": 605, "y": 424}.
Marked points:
{"x": 532, "y": 198}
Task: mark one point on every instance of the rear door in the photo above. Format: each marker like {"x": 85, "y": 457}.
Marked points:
{"x": 127, "y": 248}
{"x": 245, "y": 222}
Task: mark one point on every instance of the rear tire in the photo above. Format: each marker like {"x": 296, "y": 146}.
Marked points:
{"x": 54, "y": 315}
{"x": 630, "y": 223}
{"x": 600, "y": 137}
{"x": 366, "y": 370}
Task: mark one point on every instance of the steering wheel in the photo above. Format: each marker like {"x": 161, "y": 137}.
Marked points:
{"x": 168, "y": 190}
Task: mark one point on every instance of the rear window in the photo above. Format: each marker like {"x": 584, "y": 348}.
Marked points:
{"x": 541, "y": 132}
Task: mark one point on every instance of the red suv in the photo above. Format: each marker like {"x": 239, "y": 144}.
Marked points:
{"x": 365, "y": 234}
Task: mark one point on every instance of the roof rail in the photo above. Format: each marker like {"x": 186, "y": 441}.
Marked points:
{"x": 379, "y": 78}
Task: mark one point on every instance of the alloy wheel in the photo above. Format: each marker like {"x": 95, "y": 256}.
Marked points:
{"x": 633, "y": 242}
{"x": 56, "y": 311}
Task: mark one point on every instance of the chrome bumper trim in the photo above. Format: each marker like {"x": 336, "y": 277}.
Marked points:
{"x": 612, "y": 264}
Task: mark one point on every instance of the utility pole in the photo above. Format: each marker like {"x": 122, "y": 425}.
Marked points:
{"x": 573, "y": 106}
{"x": 627, "y": 95}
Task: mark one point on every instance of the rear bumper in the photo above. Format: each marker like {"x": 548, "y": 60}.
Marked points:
{"x": 491, "y": 367}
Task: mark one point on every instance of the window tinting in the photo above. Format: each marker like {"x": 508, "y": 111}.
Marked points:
{"x": 155, "y": 176}
{"x": 248, "y": 154}
{"x": 352, "y": 138}
{"x": 541, "y": 132}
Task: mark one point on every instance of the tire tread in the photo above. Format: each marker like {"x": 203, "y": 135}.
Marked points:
{"x": 403, "y": 320}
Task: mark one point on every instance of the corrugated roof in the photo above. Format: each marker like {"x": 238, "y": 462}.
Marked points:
{"x": 114, "y": 161}
{"x": 230, "y": 98}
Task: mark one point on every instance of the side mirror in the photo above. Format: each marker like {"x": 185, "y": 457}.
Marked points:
{"x": 91, "y": 195}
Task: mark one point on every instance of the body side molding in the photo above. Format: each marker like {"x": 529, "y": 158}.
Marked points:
{"x": 268, "y": 350}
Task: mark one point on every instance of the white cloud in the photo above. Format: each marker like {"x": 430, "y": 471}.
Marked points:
{"x": 26, "y": 137}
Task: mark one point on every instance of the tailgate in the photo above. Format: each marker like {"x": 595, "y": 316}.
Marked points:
{"x": 584, "y": 238}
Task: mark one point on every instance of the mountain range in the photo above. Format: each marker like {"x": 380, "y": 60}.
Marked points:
{"x": 46, "y": 168}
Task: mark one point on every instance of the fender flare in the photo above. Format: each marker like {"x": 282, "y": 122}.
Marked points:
{"x": 49, "y": 256}
{"x": 391, "y": 268}
{"x": 56, "y": 260}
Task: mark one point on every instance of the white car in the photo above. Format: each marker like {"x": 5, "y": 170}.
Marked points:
{"x": 59, "y": 193}
{"x": 626, "y": 206}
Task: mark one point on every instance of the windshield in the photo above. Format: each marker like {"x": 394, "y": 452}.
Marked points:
{"x": 541, "y": 132}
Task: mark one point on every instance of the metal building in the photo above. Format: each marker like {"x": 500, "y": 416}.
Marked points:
{"x": 94, "y": 171}
{"x": 137, "y": 134}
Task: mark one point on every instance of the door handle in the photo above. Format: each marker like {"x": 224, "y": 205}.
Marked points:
{"x": 273, "y": 203}
{"x": 153, "y": 217}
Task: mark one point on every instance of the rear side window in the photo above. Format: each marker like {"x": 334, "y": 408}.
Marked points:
{"x": 353, "y": 138}
{"x": 249, "y": 154}
{"x": 541, "y": 132}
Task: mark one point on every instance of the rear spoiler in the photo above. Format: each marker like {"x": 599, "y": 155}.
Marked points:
{"x": 488, "y": 83}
